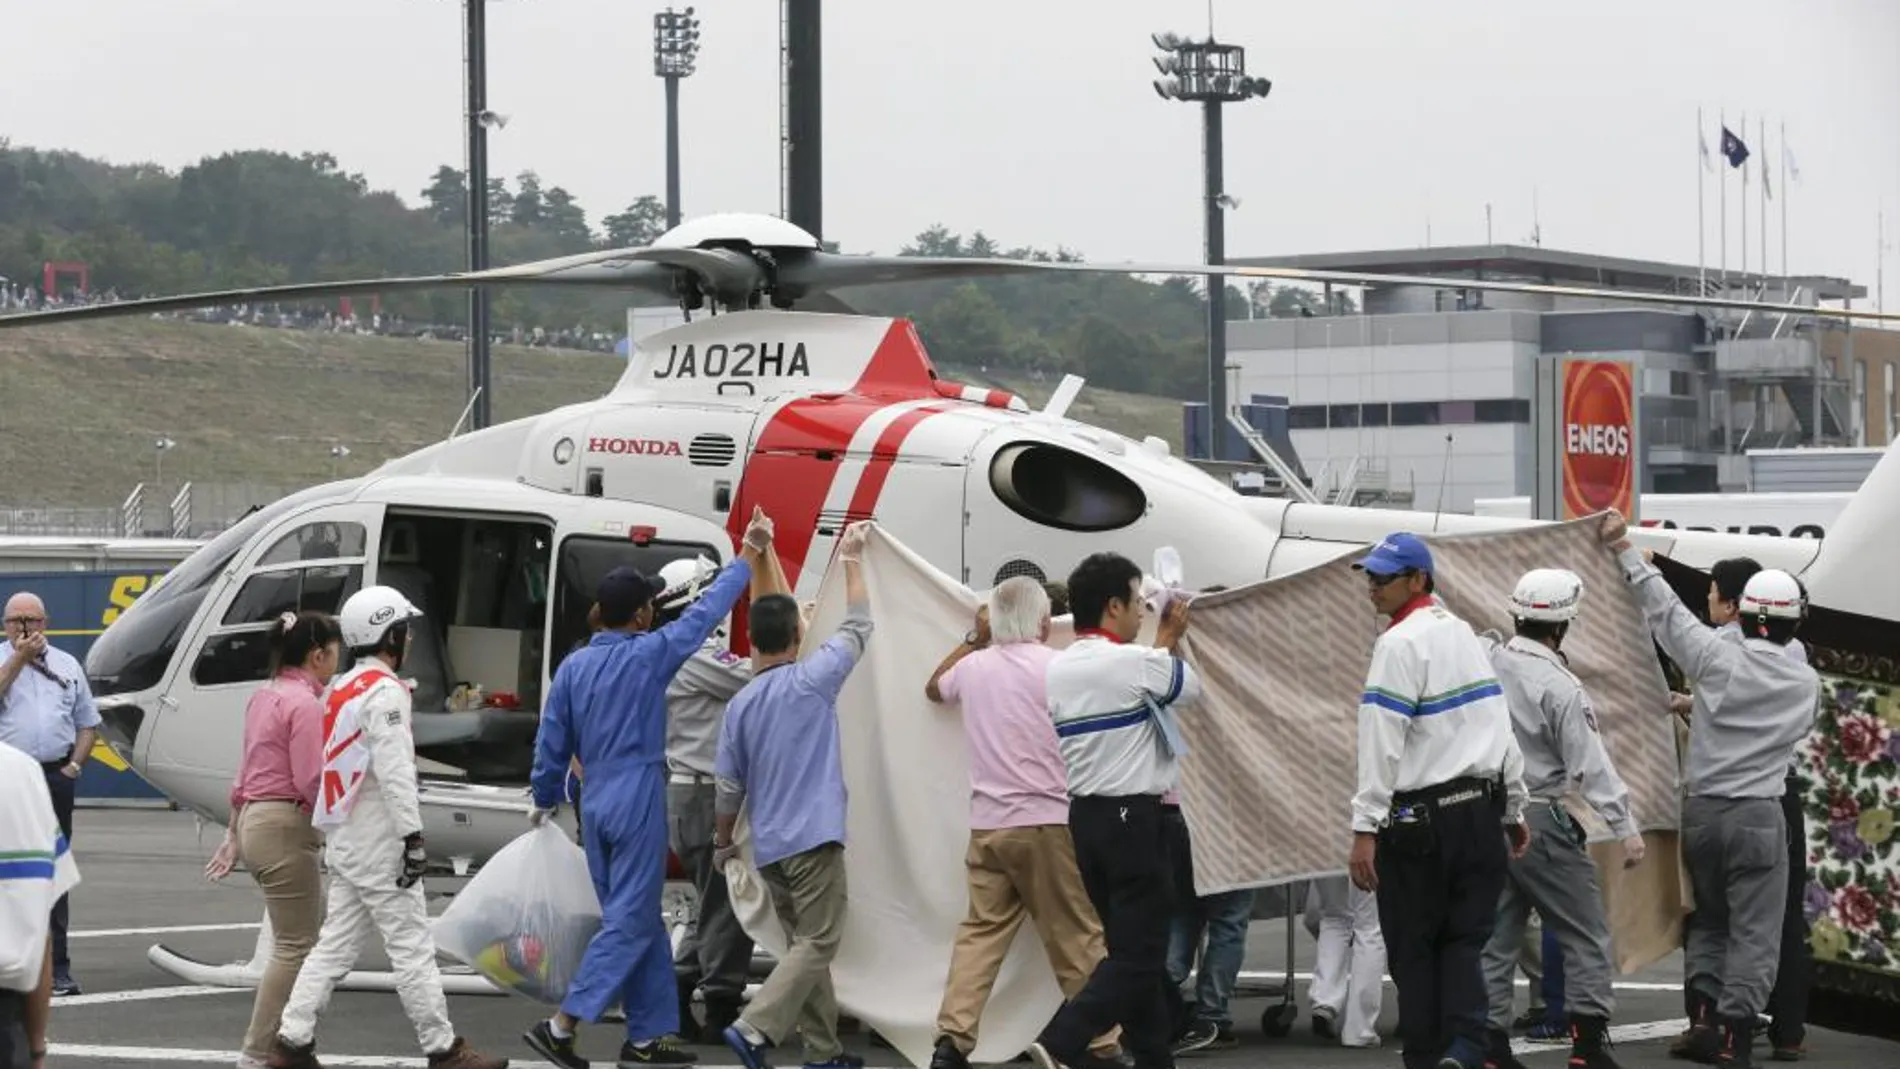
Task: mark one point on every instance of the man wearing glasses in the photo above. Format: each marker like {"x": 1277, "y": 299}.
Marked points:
{"x": 1440, "y": 780}
{"x": 47, "y": 713}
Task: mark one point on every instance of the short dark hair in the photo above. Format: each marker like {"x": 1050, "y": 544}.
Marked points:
{"x": 1731, "y": 577}
{"x": 1098, "y": 580}
{"x": 1776, "y": 629}
{"x": 774, "y": 623}
{"x": 1058, "y": 592}
{"x": 1543, "y": 630}
{"x": 308, "y": 632}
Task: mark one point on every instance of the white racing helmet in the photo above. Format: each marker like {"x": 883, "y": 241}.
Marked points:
{"x": 1550, "y": 595}
{"x": 1775, "y": 594}
{"x": 683, "y": 581}
{"x": 369, "y": 613}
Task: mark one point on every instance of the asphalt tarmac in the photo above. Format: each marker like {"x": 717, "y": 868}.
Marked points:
{"x": 143, "y": 886}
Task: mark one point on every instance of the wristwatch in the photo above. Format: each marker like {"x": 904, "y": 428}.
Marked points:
{"x": 969, "y": 638}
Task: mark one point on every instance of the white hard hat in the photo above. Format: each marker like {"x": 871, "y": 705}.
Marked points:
{"x": 1547, "y": 594}
{"x": 369, "y": 613}
{"x": 684, "y": 580}
{"x": 1773, "y": 593}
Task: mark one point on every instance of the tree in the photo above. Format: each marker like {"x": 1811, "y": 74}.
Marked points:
{"x": 527, "y": 209}
{"x": 638, "y": 225}
{"x": 564, "y": 218}
{"x": 447, "y": 196}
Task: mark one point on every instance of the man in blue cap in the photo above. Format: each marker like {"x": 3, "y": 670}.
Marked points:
{"x": 1440, "y": 779}
{"x": 607, "y": 705}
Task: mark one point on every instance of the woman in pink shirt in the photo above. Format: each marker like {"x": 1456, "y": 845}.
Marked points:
{"x": 271, "y": 800}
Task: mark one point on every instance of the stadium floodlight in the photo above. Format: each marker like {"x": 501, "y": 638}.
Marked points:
{"x": 675, "y": 48}
{"x": 1211, "y": 74}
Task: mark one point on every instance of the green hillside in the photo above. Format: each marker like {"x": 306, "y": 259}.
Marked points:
{"x": 82, "y": 405}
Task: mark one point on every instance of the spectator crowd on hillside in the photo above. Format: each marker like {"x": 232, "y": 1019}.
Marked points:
{"x": 16, "y": 297}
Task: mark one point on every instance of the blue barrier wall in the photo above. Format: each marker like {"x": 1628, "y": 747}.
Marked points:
{"x": 79, "y": 607}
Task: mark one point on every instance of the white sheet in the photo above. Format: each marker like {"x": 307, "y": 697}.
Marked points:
{"x": 907, "y": 770}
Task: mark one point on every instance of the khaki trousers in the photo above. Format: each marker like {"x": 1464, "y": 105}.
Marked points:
{"x": 279, "y": 848}
{"x": 1018, "y": 872}
{"x": 808, "y": 894}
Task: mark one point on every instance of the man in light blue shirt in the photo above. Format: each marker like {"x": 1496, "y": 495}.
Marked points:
{"x": 778, "y": 758}
{"x": 47, "y": 713}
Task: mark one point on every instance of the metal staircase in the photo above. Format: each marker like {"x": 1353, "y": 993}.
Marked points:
{"x": 1289, "y": 479}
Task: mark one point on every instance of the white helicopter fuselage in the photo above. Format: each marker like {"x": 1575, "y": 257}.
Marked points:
{"x": 821, "y": 420}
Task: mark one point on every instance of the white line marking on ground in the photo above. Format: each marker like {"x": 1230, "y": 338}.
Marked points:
{"x": 1619, "y": 985}
{"x": 142, "y": 994}
{"x": 229, "y": 1057}
{"x": 1619, "y": 1033}
{"x": 110, "y": 933}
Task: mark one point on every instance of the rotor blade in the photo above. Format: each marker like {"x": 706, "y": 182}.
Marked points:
{"x": 816, "y": 271}
{"x": 617, "y": 268}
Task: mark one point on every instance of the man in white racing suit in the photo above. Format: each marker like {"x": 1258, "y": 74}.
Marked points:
{"x": 369, "y": 812}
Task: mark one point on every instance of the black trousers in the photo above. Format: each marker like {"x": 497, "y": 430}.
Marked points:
{"x": 15, "y": 1049}
{"x": 63, "y": 791}
{"x": 1439, "y": 884}
{"x": 1788, "y": 1003}
{"x": 1121, "y": 848}
{"x": 1174, "y": 829}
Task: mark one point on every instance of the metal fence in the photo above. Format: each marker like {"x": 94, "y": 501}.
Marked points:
{"x": 188, "y": 510}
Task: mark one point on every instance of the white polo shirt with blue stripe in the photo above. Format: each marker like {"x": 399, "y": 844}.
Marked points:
{"x": 1432, "y": 711}
{"x": 35, "y": 868}
{"x": 1100, "y": 691}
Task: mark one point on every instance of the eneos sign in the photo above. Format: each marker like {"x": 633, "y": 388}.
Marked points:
{"x": 1599, "y": 438}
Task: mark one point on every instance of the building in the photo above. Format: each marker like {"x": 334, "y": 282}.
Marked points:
{"x": 1425, "y": 393}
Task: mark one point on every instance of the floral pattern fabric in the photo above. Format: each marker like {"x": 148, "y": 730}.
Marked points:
{"x": 1849, "y": 771}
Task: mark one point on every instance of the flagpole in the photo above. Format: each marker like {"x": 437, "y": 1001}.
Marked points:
{"x": 1744, "y": 208}
{"x": 1785, "y": 192}
{"x": 1722, "y": 204}
{"x": 1701, "y": 212}
{"x": 1761, "y": 127}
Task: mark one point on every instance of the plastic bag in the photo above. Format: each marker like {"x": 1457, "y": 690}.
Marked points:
{"x": 1162, "y": 583}
{"x": 526, "y": 918}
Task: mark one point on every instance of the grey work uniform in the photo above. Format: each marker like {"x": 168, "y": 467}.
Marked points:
{"x": 1557, "y": 731}
{"x": 716, "y": 953}
{"x": 1753, "y": 705}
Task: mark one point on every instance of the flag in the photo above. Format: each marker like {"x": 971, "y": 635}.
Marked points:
{"x": 1702, "y": 143}
{"x": 1787, "y": 158}
{"x": 1733, "y": 149}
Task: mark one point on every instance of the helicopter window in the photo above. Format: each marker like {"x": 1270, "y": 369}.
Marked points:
{"x": 1064, "y": 489}
{"x": 585, "y": 562}
{"x": 268, "y": 595}
{"x": 317, "y": 541}
{"x": 135, "y": 651}
{"x": 240, "y": 652}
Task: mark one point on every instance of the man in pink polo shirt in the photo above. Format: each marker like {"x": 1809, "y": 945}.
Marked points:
{"x": 1021, "y": 859}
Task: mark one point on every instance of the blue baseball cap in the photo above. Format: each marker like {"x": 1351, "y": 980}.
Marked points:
{"x": 1398, "y": 552}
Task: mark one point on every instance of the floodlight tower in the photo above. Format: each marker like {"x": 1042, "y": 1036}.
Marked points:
{"x": 477, "y": 119}
{"x": 675, "y": 46}
{"x": 1213, "y": 75}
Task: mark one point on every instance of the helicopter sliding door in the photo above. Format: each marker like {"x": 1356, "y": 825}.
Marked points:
{"x": 310, "y": 561}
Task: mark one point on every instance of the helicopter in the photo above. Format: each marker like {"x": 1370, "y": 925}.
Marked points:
{"x": 783, "y": 399}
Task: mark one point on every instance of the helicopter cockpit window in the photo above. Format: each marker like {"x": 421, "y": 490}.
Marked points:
{"x": 135, "y": 651}
{"x": 268, "y": 595}
{"x": 318, "y": 541}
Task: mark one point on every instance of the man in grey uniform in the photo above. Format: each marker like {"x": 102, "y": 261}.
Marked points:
{"x": 1753, "y": 705}
{"x": 716, "y": 954}
{"x": 1556, "y": 729}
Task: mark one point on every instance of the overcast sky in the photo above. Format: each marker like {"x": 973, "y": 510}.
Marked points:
{"x": 1036, "y": 121}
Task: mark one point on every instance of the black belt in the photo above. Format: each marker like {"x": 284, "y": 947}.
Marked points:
{"x": 57, "y": 763}
{"x": 1451, "y": 792}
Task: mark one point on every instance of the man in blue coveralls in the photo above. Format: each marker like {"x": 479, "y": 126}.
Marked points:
{"x": 607, "y": 705}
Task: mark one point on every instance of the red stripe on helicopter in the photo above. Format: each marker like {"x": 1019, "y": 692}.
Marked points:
{"x": 800, "y": 452}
